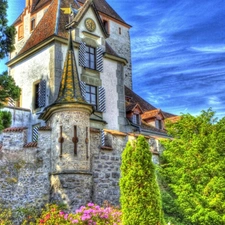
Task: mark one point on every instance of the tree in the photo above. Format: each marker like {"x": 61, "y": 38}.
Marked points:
{"x": 7, "y": 33}
{"x": 140, "y": 196}
{"x": 193, "y": 167}
{"x": 8, "y": 89}
{"x": 5, "y": 119}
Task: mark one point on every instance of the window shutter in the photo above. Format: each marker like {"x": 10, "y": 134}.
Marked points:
{"x": 11, "y": 102}
{"x": 35, "y": 132}
{"x": 83, "y": 89}
{"x": 82, "y": 52}
{"x": 99, "y": 59}
{"x": 42, "y": 94}
{"x": 102, "y": 138}
{"x": 101, "y": 99}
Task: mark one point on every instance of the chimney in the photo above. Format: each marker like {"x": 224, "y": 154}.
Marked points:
{"x": 29, "y": 3}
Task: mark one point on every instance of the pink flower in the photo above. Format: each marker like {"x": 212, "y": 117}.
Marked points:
{"x": 90, "y": 204}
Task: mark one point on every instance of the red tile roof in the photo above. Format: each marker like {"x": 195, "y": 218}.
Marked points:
{"x": 147, "y": 126}
{"x": 104, "y": 7}
{"x": 94, "y": 130}
{"x": 54, "y": 20}
{"x": 45, "y": 128}
{"x": 115, "y": 132}
{"x": 37, "y": 4}
{"x": 106, "y": 148}
{"x": 134, "y": 98}
{"x": 15, "y": 129}
{"x": 30, "y": 145}
{"x": 146, "y": 106}
{"x": 151, "y": 114}
{"x": 45, "y": 28}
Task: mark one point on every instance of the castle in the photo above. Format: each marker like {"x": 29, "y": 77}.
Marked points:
{"x": 77, "y": 110}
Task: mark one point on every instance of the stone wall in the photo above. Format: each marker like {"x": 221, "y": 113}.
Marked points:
{"x": 27, "y": 177}
{"x": 24, "y": 172}
{"x": 106, "y": 171}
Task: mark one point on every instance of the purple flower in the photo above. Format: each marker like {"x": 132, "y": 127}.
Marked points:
{"x": 90, "y": 204}
{"x": 66, "y": 216}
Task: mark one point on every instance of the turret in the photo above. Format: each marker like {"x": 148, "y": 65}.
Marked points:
{"x": 69, "y": 118}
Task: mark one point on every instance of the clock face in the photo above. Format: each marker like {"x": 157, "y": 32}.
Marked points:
{"x": 90, "y": 24}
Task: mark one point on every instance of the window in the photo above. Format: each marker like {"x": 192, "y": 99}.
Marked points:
{"x": 158, "y": 124}
{"x": 136, "y": 119}
{"x": 39, "y": 94}
{"x": 90, "y": 57}
{"x": 36, "y": 95}
{"x": 94, "y": 95}
{"x": 106, "y": 25}
{"x": 91, "y": 95}
{"x": 32, "y": 24}
{"x": 120, "y": 31}
{"x": 20, "y": 31}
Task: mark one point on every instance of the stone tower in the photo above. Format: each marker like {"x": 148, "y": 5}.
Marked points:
{"x": 69, "y": 118}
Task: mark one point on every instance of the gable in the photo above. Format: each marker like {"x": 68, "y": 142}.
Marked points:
{"x": 153, "y": 116}
{"x": 90, "y": 17}
{"x": 104, "y": 8}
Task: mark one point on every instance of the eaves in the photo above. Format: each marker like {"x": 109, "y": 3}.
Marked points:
{"x": 33, "y": 50}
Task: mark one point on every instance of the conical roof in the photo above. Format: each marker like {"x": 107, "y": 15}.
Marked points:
{"x": 70, "y": 90}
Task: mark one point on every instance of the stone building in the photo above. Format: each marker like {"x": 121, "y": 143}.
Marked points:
{"x": 77, "y": 109}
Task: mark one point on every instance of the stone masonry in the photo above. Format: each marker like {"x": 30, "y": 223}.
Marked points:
{"x": 28, "y": 177}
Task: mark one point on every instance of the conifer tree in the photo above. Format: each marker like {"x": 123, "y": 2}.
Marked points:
{"x": 140, "y": 197}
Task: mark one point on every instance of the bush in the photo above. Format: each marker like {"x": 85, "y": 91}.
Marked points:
{"x": 5, "y": 216}
{"x": 5, "y": 119}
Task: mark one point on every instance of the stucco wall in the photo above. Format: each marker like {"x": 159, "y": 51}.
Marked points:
{"x": 109, "y": 82}
{"x": 31, "y": 69}
{"x": 121, "y": 44}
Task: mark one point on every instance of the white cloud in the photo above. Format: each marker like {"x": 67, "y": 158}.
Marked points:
{"x": 214, "y": 100}
{"x": 210, "y": 49}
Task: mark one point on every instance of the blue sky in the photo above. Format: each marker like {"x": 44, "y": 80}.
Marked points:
{"x": 178, "y": 52}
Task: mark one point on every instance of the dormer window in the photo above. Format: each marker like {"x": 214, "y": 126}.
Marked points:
{"x": 159, "y": 124}
{"x": 136, "y": 119}
{"x": 32, "y": 24}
